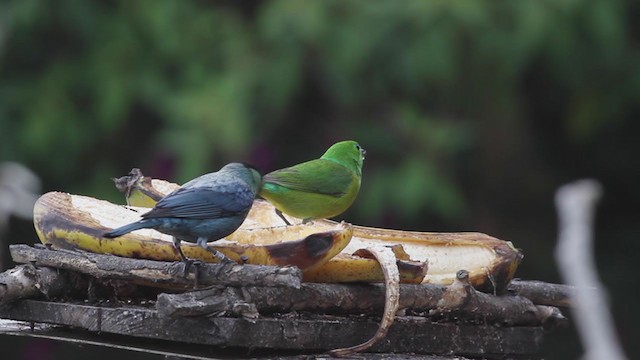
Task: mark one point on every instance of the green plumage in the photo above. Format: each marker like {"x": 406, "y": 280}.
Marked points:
{"x": 320, "y": 188}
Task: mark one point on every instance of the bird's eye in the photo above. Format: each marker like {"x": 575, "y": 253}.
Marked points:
{"x": 358, "y": 147}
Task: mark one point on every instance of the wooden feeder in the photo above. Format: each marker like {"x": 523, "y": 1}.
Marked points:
{"x": 319, "y": 290}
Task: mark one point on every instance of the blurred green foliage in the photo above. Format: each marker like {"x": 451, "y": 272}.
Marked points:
{"x": 207, "y": 81}
{"x": 472, "y": 112}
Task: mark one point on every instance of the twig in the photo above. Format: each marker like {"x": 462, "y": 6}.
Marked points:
{"x": 574, "y": 254}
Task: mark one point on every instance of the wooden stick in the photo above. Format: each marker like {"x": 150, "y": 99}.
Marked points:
{"x": 542, "y": 293}
{"x": 156, "y": 273}
{"x": 460, "y": 301}
{"x": 27, "y": 281}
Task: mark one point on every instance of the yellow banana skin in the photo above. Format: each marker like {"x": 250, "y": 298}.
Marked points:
{"x": 491, "y": 262}
{"x": 77, "y": 222}
{"x": 345, "y": 268}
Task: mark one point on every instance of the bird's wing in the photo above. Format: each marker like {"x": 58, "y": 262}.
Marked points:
{"x": 316, "y": 176}
{"x": 201, "y": 203}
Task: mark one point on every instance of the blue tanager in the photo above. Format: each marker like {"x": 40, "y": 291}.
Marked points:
{"x": 204, "y": 209}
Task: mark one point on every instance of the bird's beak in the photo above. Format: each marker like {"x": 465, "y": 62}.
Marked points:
{"x": 363, "y": 152}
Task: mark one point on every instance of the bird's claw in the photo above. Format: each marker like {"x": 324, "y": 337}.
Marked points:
{"x": 196, "y": 273}
{"x": 187, "y": 266}
{"x": 281, "y": 215}
{"x": 225, "y": 260}
{"x": 222, "y": 258}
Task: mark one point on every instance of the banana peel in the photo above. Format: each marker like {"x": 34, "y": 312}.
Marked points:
{"x": 491, "y": 262}
{"x": 387, "y": 257}
{"x": 78, "y": 222}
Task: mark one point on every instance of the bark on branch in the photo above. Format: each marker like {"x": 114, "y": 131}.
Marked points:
{"x": 459, "y": 299}
{"x": 156, "y": 273}
{"x": 28, "y": 281}
{"x": 542, "y": 293}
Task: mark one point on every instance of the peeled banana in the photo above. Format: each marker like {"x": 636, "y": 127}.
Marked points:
{"x": 491, "y": 262}
{"x": 78, "y": 222}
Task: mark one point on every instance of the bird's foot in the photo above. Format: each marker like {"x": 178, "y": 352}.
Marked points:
{"x": 223, "y": 258}
{"x": 196, "y": 273}
{"x": 307, "y": 221}
{"x": 281, "y": 215}
{"x": 187, "y": 266}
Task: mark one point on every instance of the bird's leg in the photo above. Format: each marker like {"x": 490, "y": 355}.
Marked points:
{"x": 176, "y": 245}
{"x": 196, "y": 274}
{"x": 307, "y": 221}
{"x": 187, "y": 262}
{"x": 279, "y": 213}
{"x": 202, "y": 241}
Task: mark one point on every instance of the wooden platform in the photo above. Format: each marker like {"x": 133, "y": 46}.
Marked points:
{"x": 135, "y": 325}
{"x": 141, "y": 305}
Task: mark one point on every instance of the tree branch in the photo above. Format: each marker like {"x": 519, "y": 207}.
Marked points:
{"x": 543, "y": 293}
{"x": 459, "y": 299}
{"x": 28, "y": 281}
{"x": 157, "y": 273}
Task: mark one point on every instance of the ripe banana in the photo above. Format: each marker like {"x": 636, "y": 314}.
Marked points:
{"x": 491, "y": 262}
{"x": 78, "y": 222}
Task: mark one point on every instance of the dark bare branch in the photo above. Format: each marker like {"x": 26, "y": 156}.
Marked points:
{"x": 457, "y": 300}
{"x": 461, "y": 299}
{"x": 156, "y": 273}
{"x": 542, "y": 293}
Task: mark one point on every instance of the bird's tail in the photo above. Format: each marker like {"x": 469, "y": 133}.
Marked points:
{"x": 142, "y": 224}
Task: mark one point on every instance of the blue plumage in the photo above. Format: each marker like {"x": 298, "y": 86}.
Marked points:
{"x": 142, "y": 224}
{"x": 205, "y": 209}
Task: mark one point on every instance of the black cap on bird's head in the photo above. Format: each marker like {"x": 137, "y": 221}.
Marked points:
{"x": 249, "y": 173}
{"x": 257, "y": 175}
